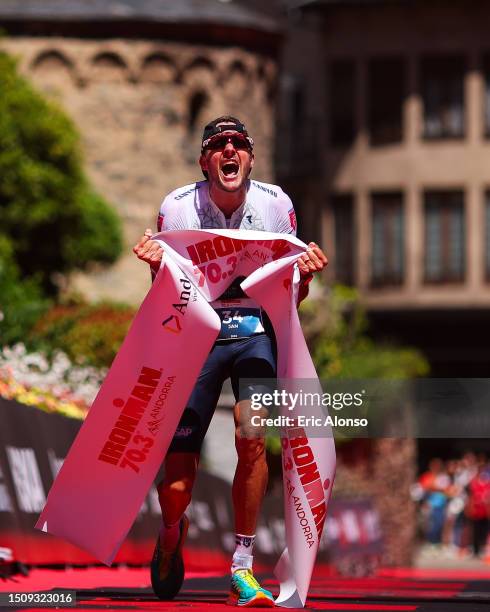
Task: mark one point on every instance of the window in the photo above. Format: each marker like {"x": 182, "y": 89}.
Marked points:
{"x": 443, "y": 97}
{"x": 197, "y": 102}
{"x": 298, "y": 152}
{"x": 387, "y": 77}
{"x": 298, "y": 91}
{"x": 387, "y": 239}
{"x": 342, "y": 99}
{"x": 486, "y": 103}
{"x": 444, "y": 236}
{"x": 304, "y": 142}
{"x": 345, "y": 238}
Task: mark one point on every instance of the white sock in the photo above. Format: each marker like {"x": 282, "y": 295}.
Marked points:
{"x": 242, "y": 557}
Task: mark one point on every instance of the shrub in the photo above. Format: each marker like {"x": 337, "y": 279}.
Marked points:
{"x": 21, "y": 303}
{"x": 87, "y": 333}
{"x": 335, "y": 327}
{"x": 52, "y": 219}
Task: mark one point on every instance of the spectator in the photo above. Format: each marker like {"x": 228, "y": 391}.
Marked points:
{"x": 453, "y": 528}
{"x": 478, "y": 507}
{"x": 435, "y": 484}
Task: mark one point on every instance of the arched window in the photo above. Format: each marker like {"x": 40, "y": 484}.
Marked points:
{"x": 197, "y": 103}
{"x": 201, "y": 72}
{"x": 109, "y": 66}
{"x": 237, "y": 80}
{"x": 53, "y": 69}
{"x": 157, "y": 68}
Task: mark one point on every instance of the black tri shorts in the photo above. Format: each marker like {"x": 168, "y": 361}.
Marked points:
{"x": 252, "y": 357}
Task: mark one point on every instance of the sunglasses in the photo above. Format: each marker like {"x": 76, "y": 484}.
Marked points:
{"x": 239, "y": 141}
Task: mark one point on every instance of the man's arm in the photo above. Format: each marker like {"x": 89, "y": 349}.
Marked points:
{"x": 169, "y": 218}
{"x": 311, "y": 262}
{"x": 149, "y": 250}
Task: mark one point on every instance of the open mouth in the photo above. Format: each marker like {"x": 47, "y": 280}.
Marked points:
{"x": 230, "y": 169}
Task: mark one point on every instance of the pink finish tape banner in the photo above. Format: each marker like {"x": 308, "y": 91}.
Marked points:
{"x": 122, "y": 443}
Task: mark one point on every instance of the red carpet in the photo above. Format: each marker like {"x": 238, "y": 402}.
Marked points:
{"x": 404, "y": 590}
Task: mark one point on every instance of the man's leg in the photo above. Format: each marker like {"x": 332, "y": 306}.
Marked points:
{"x": 174, "y": 493}
{"x": 251, "y": 472}
{"x": 248, "y": 491}
{"x": 254, "y": 360}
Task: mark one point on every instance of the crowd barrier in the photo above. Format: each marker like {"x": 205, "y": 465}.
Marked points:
{"x": 33, "y": 445}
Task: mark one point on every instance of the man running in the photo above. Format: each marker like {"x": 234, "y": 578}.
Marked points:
{"x": 245, "y": 348}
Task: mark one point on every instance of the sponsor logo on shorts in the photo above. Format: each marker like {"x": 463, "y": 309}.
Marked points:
{"x": 183, "y": 432}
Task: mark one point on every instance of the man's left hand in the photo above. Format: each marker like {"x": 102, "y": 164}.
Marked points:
{"x": 314, "y": 260}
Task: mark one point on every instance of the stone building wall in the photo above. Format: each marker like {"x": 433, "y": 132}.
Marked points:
{"x": 140, "y": 107}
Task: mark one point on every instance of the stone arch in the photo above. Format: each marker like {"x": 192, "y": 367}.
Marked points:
{"x": 269, "y": 77}
{"x": 260, "y": 71}
{"x": 197, "y": 103}
{"x": 200, "y": 73}
{"x": 201, "y": 62}
{"x": 236, "y": 80}
{"x": 53, "y": 68}
{"x": 109, "y": 66}
{"x": 157, "y": 67}
{"x": 260, "y": 78}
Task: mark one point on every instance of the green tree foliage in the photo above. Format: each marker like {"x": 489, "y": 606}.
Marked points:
{"x": 335, "y": 326}
{"x": 21, "y": 303}
{"x": 51, "y": 218}
{"x": 88, "y": 333}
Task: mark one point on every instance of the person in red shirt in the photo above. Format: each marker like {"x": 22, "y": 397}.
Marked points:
{"x": 478, "y": 507}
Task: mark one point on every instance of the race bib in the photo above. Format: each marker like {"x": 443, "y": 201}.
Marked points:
{"x": 240, "y": 318}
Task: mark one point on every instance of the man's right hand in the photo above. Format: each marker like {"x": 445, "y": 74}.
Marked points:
{"x": 149, "y": 250}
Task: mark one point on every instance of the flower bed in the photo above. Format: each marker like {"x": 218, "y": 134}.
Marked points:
{"x": 53, "y": 385}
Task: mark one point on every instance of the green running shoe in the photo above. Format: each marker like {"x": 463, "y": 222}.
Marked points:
{"x": 247, "y": 592}
{"x": 167, "y": 568}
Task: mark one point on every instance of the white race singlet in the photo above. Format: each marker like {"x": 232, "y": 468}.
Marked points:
{"x": 266, "y": 208}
